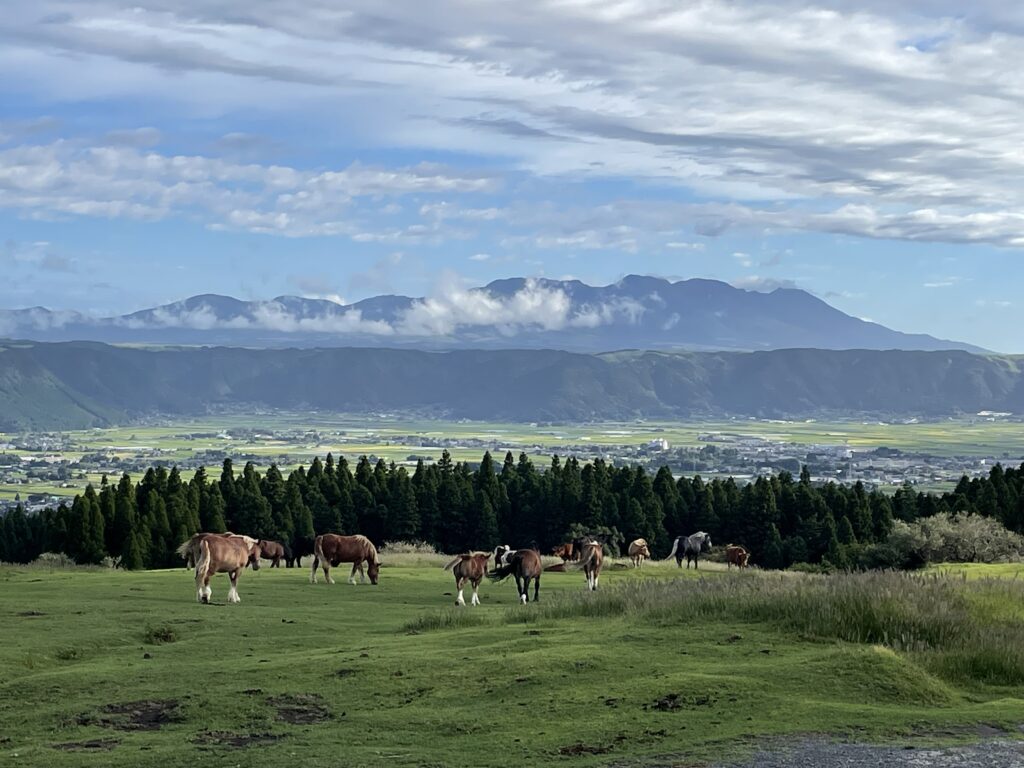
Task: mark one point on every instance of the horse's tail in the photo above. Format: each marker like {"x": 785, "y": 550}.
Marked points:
{"x": 203, "y": 561}
{"x": 318, "y": 551}
{"x": 675, "y": 547}
{"x": 453, "y": 563}
{"x": 502, "y": 573}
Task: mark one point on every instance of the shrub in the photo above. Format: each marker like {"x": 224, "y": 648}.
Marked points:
{"x": 159, "y": 634}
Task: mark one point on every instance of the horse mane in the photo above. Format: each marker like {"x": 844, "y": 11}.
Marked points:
{"x": 454, "y": 562}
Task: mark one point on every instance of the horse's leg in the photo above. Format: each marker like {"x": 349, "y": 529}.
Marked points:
{"x": 475, "y": 600}
{"x": 200, "y": 585}
{"x": 326, "y": 566}
{"x": 362, "y": 572}
{"x": 233, "y": 592}
{"x": 519, "y": 588}
{"x": 459, "y": 584}
{"x": 352, "y": 575}
{"x": 312, "y": 573}
{"x": 536, "y": 588}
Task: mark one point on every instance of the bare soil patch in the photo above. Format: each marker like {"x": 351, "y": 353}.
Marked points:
{"x": 92, "y": 745}
{"x": 145, "y": 715}
{"x": 300, "y": 708}
{"x": 235, "y": 740}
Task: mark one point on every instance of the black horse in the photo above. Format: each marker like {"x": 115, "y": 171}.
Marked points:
{"x": 523, "y": 564}
{"x": 301, "y": 546}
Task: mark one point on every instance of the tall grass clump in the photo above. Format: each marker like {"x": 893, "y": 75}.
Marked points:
{"x": 411, "y": 554}
{"x": 939, "y": 620}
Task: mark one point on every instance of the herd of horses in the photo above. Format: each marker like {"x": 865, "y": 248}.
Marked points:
{"x": 230, "y": 553}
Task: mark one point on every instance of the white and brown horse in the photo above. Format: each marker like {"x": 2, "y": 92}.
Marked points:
{"x": 330, "y": 549}
{"x": 217, "y": 553}
{"x": 591, "y": 559}
{"x": 638, "y": 552}
{"x": 502, "y": 555}
{"x": 471, "y": 567}
{"x": 524, "y": 565}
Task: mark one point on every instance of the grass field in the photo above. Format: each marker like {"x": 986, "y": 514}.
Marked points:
{"x": 656, "y": 665}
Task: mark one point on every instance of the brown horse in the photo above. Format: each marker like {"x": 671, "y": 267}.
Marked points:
{"x": 189, "y": 550}
{"x": 736, "y": 555}
{"x": 471, "y": 567}
{"x": 331, "y": 549}
{"x": 216, "y": 553}
{"x": 591, "y": 559}
{"x": 272, "y": 551}
{"x": 564, "y": 551}
{"x": 638, "y": 552}
{"x": 523, "y": 564}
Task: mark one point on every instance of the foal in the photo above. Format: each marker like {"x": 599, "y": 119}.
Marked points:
{"x": 471, "y": 567}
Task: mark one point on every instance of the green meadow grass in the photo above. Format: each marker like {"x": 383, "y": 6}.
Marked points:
{"x": 662, "y": 663}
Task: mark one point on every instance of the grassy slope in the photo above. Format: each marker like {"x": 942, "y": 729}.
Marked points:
{"x": 481, "y": 695}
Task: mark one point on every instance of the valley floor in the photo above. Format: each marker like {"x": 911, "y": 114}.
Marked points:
{"x": 116, "y": 668}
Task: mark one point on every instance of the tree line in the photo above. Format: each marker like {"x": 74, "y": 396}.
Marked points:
{"x": 456, "y": 507}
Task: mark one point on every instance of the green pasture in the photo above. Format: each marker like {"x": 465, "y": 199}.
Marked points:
{"x": 393, "y": 675}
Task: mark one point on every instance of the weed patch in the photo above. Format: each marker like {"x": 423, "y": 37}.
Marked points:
{"x": 159, "y": 635}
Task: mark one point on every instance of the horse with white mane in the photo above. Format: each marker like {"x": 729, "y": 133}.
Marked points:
{"x": 217, "y": 553}
{"x": 692, "y": 546}
{"x": 330, "y": 549}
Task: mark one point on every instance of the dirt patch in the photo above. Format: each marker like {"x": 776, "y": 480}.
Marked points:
{"x": 27, "y": 614}
{"x": 579, "y": 748}
{"x": 344, "y": 673}
{"x": 300, "y": 708}
{"x": 675, "y": 701}
{"x": 235, "y": 740}
{"x": 93, "y": 745}
{"x": 145, "y": 715}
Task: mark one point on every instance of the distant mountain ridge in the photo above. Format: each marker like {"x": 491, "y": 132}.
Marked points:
{"x": 82, "y": 384}
{"x": 635, "y": 313}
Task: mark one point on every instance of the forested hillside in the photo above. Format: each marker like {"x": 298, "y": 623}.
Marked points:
{"x": 81, "y": 384}
{"x": 781, "y": 519}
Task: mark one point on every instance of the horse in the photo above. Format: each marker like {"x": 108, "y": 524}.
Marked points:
{"x": 300, "y": 547}
{"x": 272, "y": 551}
{"x": 523, "y": 564}
{"x": 330, "y": 549}
{"x": 189, "y": 550}
{"x": 638, "y": 552}
{"x": 736, "y": 555}
{"x": 471, "y": 567}
{"x": 564, "y": 551}
{"x": 590, "y": 561}
{"x": 502, "y": 553}
{"x": 693, "y": 545}
{"x": 217, "y": 553}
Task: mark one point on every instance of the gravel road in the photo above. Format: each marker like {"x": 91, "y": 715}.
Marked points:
{"x": 823, "y": 754}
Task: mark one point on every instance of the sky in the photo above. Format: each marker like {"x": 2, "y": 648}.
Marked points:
{"x": 871, "y": 152}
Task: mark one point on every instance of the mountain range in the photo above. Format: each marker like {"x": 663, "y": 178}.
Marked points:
{"x": 522, "y": 313}
{"x": 83, "y": 384}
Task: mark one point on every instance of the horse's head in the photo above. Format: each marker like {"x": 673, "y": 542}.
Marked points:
{"x": 254, "y": 556}
{"x": 706, "y": 544}
{"x": 373, "y": 570}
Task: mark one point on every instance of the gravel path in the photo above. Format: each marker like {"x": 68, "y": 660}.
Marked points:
{"x": 823, "y": 754}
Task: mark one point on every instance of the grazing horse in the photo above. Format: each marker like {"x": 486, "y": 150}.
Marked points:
{"x": 502, "y": 553}
{"x": 272, "y": 551}
{"x": 523, "y": 564}
{"x": 217, "y": 553}
{"x": 590, "y": 561}
{"x": 564, "y": 551}
{"x": 736, "y": 555}
{"x": 471, "y": 567}
{"x": 692, "y": 546}
{"x": 331, "y": 549}
{"x": 638, "y": 552}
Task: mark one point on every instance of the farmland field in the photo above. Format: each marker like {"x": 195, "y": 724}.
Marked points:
{"x": 289, "y": 439}
{"x": 125, "y": 669}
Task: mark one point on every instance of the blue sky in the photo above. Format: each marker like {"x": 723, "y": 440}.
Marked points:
{"x": 154, "y": 150}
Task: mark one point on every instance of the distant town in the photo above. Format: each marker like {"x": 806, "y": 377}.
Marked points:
{"x": 44, "y": 469}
